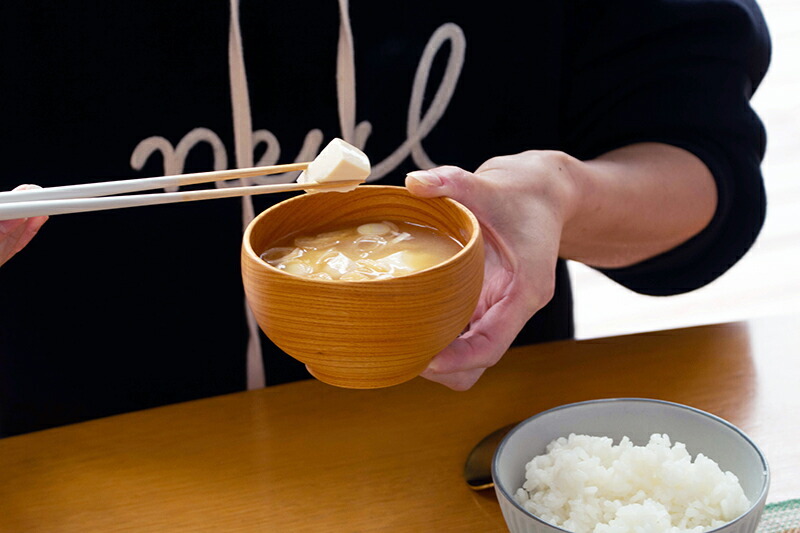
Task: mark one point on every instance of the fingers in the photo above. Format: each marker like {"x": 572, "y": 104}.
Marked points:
{"x": 8, "y": 228}
{"x": 520, "y": 262}
{"x": 461, "y": 364}
{"x": 482, "y": 346}
{"x": 26, "y": 187}
{"x": 33, "y": 223}
{"x": 459, "y": 381}
{"x": 16, "y": 234}
{"x": 424, "y": 183}
{"x": 441, "y": 181}
{"x": 32, "y": 227}
{"x": 11, "y": 232}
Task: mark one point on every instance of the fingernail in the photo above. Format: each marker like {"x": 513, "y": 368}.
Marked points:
{"x": 426, "y": 178}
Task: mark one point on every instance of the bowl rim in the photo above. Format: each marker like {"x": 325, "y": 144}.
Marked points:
{"x": 758, "y": 501}
{"x": 466, "y": 248}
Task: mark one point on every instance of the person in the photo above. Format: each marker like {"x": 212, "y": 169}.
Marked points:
{"x": 618, "y": 134}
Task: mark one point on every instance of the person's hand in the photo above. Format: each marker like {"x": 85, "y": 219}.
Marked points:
{"x": 621, "y": 208}
{"x": 521, "y": 202}
{"x": 16, "y": 234}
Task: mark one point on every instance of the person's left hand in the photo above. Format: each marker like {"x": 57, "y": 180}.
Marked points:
{"x": 16, "y": 234}
{"x": 521, "y": 202}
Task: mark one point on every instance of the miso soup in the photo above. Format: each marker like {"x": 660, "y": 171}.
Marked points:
{"x": 376, "y": 250}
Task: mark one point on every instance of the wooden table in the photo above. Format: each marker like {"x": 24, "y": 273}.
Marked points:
{"x": 310, "y": 457}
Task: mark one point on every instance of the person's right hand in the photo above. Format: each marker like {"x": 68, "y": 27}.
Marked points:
{"x": 16, "y": 234}
{"x": 521, "y": 202}
{"x": 623, "y": 207}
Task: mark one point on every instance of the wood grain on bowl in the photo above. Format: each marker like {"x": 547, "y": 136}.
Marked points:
{"x": 364, "y": 334}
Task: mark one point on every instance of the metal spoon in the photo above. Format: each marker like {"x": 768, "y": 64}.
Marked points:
{"x": 478, "y": 467}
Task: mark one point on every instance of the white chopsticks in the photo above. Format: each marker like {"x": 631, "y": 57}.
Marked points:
{"x": 94, "y": 196}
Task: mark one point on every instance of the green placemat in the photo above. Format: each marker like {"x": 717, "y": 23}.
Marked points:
{"x": 780, "y": 517}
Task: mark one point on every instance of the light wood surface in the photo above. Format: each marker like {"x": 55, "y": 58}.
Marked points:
{"x": 310, "y": 457}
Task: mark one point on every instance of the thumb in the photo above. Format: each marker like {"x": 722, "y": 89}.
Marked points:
{"x": 448, "y": 181}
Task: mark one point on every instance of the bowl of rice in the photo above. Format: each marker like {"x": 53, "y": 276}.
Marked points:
{"x": 629, "y": 465}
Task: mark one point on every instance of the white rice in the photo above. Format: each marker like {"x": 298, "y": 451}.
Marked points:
{"x": 587, "y": 484}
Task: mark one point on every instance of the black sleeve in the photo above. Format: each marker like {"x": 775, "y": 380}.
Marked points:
{"x": 679, "y": 72}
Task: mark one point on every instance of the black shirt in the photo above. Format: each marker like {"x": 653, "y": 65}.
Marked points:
{"x": 120, "y": 310}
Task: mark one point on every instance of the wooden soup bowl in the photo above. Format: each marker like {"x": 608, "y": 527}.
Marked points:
{"x": 363, "y": 334}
